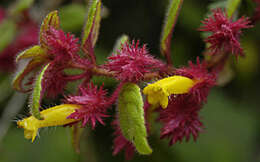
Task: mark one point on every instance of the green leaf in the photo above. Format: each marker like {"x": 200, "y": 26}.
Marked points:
{"x": 121, "y": 40}
{"x": 35, "y": 51}
{"x": 51, "y": 20}
{"x": 131, "y": 117}
{"x": 38, "y": 93}
{"x": 20, "y": 6}
{"x": 21, "y": 74}
{"x": 170, "y": 21}
{"x": 7, "y": 32}
{"x": 232, "y": 6}
{"x": 91, "y": 29}
{"x": 72, "y": 17}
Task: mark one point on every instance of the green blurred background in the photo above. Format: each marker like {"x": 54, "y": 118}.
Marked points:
{"x": 231, "y": 116}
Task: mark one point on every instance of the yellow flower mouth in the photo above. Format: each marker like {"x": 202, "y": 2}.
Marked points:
{"x": 158, "y": 92}
{"x": 54, "y": 116}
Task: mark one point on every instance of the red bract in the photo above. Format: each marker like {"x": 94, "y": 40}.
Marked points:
{"x": 121, "y": 143}
{"x": 61, "y": 46}
{"x": 131, "y": 62}
{"x": 225, "y": 33}
{"x": 180, "y": 119}
{"x": 54, "y": 81}
{"x": 204, "y": 80}
{"x": 94, "y": 105}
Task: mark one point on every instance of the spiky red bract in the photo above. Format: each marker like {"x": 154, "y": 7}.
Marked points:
{"x": 121, "y": 143}
{"x": 62, "y": 47}
{"x": 225, "y": 33}
{"x": 93, "y": 103}
{"x": 26, "y": 37}
{"x": 54, "y": 81}
{"x": 204, "y": 79}
{"x": 131, "y": 62}
{"x": 181, "y": 118}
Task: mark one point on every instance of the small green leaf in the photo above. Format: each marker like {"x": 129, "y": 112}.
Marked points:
{"x": 38, "y": 93}
{"x": 51, "y": 20}
{"x": 72, "y": 17}
{"x": 21, "y": 74}
{"x": 131, "y": 117}
{"x": 7, "y": 32}
{"x": 20, "y": 6}
{"x": 170, "y": 21}
{"x": 232, "y": 6}
{"x": 121, "y": 40}
{"x": 91, "y": 29}
{"x": 35, "y": 51}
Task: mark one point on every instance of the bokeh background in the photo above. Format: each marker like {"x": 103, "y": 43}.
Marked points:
{"x": 231, "y": 116}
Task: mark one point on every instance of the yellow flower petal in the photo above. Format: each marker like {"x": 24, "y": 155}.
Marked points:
{"x": 54, "y": 116}
{"x": 158, "y": 92}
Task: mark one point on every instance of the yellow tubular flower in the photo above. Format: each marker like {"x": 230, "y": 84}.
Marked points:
{"x": 158, "y": 92}
{"x": 54, "y": 116}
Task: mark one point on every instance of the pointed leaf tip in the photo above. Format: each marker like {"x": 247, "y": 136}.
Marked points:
{"x": 51, "y": 20}
{"x": 91, "y": 29}
{"x": 33, "y": 52}
{"x": 170, "y": 21}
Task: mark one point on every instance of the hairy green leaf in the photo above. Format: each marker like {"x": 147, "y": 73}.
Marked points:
{"x": 91, "y": 29}
{"x": 22, "y": 72}
{"x": 38, "y": 93}
{"x": 7, "y": 32}
{"x": 35, "y": 51}
{"x": 131, "y": 117}
{"x": 170, "y": 21}
{"x": 51, "y": 20}
{"x": 232, "y": 6}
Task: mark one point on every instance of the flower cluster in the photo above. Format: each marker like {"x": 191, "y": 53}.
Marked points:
{"x": 225, "y": 33}
{"x": 177, "y": 98}
{"x": 131, "y": 62}
{"x": 203, "y": 79}
{"x": 93, "y": 103}
{"x": 181, "y": 118}
{"x": 62, "y": 47}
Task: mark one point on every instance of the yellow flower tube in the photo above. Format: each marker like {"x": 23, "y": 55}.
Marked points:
{"x": 158, "y": 92}
{"x": 54, "y": 116}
